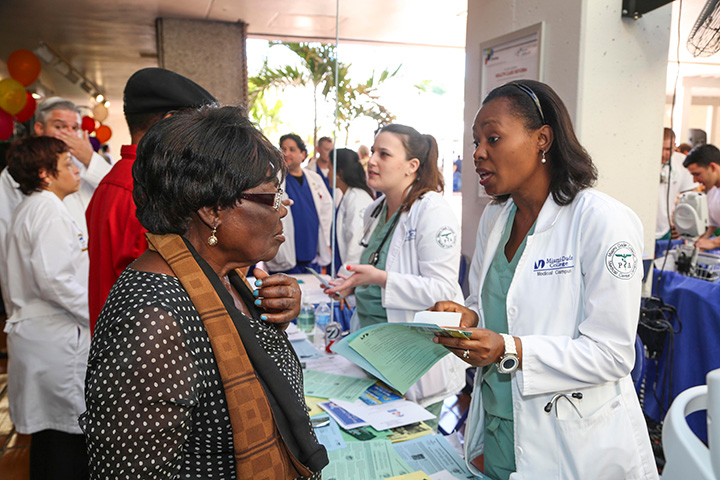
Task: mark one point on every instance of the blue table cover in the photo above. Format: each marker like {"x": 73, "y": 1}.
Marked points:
{"x": 661, "y": 246}
{"x": 697, "y": 346}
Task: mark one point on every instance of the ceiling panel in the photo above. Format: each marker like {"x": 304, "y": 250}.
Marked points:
{"x": 109, "y": 40}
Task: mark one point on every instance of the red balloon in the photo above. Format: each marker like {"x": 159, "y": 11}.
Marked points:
{"x": 88, "y": 124}
{"x": 6, "y": 125}
{"x": 103, "y": 133}
{"x": 24, "y": 66}
{"x": 28, "y": 110}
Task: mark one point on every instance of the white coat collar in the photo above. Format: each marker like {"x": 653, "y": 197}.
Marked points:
{"x": 546, "y": 218}
{"x": 50, "y": 195}
{"x": 548, "y": 214}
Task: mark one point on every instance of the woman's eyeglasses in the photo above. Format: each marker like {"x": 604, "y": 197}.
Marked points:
{"x": 534, "y": 98}
{"x": 269, "y": 199}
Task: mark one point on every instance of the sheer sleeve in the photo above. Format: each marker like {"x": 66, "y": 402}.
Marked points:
{"x": 142, "y": 386}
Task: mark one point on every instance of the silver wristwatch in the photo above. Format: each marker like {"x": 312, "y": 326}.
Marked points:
{"x": 509, "y": 361}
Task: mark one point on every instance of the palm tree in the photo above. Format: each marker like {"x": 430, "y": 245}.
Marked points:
{"x": 358, "y": 100}
{"x": 266, "y": 117}
{"x": 318, "y": 70}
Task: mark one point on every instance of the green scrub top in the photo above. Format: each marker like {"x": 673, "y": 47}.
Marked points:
{"x": 496, "y": 389}
{"x": 369, "y": 297}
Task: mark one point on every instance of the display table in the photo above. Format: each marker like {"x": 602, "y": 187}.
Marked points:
{"x": 696, "y": 347}
{"x": 312, "y": 290}
{"x": 366, "y": 453}
{"x": 662, "y": 246}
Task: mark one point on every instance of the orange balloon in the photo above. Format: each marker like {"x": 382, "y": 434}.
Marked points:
{"x": 24, "y": 66}
{"x": 103, "y": 133}
{"x": 12, "y": 96}
{"x": 28, "y": 110}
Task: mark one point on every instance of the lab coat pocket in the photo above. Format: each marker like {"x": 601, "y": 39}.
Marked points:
{"x": 601, "y": 445}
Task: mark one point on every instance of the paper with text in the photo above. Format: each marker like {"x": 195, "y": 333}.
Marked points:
{"x": 330, "y": 385}
{"x": 400, "y": 353}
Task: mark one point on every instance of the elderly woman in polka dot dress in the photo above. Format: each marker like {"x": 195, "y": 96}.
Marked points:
{"x": 190, "y": 373}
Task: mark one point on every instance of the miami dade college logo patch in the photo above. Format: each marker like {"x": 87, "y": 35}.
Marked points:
{"x": 621, "y": 260}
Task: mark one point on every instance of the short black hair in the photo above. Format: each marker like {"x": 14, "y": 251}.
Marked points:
{"x": 702, "y": 155}
{"x": 350, "y": 170}
{"x": 139, "y": 123}
{"x": 198, "y": 158}
{"x": 27, "y": 156}
{"x": 571, "y": 167}
{"x": 295, "y": 138}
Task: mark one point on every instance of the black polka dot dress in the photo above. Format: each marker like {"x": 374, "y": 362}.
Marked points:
{"x": 155, "y": 401}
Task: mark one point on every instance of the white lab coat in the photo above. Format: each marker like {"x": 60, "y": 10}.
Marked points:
{"x": 713, "y": 201}
{"x": 48, "y": 331}
{"x": 76, "y": 203}
{"x": 350, "y": 216}
{"x": 574, "y": 303}
{"x": 422, "y": 266}
{"x": 285, "y": 258}
{"x": 312, "y": 167}
{"x": 679, "y": 181}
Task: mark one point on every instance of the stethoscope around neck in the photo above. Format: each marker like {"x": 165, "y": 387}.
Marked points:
{"x": 369, "y": 228}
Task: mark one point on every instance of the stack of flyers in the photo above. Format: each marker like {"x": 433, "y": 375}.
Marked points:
{"x": 378, "y": 394}
{"x": 344, "y": 418}
{"x": 381, "y": 416}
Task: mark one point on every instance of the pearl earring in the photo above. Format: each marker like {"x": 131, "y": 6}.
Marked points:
{"x": 212, "y": 239}
{"x": 543, "y": 159}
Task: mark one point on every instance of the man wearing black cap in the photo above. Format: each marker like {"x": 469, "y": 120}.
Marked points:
{"x": 117, "y": 238}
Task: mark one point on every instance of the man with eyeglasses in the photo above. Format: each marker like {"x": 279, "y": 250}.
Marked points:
{"x": 307, "y": 224}
{"x": 116, "y": 236}
{"x": 59, "y": 118}
{"x": 674, "y": 179}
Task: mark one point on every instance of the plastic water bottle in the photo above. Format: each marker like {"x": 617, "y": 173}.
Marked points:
{"x": 322, "y": 317}
{"x": 306, "y": 318}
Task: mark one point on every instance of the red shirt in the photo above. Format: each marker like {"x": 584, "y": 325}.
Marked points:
{"x": 115, "y": 235}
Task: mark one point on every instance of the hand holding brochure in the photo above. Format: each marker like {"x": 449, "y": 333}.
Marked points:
{"x": 397, "y": 353}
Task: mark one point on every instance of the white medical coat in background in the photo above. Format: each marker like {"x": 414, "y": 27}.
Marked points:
{"x": 48, "y": 330}
{"x": 574, "y": 303}
{"x": 285, "y": 258}
{"x": 76, "y": 203}
{"x": 350, "y": 216}
{"x": 713, "y": 201}
{"x": 679, "y": 180}
{"x": 423, "y": 265}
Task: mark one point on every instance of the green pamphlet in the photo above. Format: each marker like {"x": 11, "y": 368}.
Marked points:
{"x": 396, "y": 353}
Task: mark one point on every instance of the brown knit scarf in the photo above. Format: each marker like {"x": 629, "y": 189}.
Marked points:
{"x": 260, "y": 450}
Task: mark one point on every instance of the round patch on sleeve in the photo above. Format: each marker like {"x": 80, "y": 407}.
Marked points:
{"x": 621, "y": 260}
{"x": 446, "y": 237}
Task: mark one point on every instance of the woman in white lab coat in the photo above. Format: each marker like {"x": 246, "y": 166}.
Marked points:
{"x": 47, "y": 333}
{"x": 411, "y": 253}
{"x": 356, "y": 196}
{"x": 555, "y": 291}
